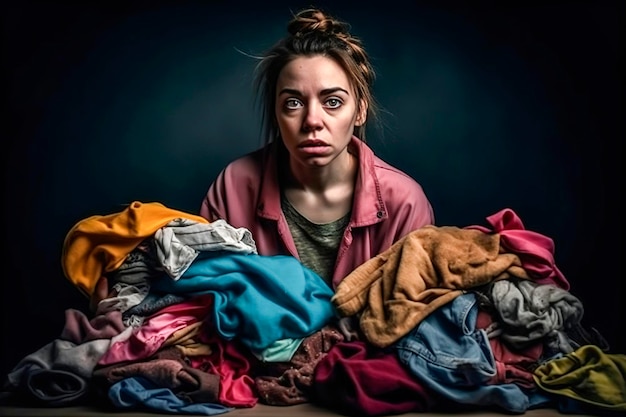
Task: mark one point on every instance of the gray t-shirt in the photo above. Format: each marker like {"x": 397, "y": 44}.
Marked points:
{"x": 316, "y": 243}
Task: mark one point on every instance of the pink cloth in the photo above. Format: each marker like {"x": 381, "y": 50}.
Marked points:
{"x": 233, "y": 362}
{"x": 150, "y": 336}
{"x": 535, "y": 250}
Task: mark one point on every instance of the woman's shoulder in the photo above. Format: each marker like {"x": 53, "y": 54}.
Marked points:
{"x": 401, "y": 193}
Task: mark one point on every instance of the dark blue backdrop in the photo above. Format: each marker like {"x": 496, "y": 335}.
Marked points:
{"x": 487, "y": 107}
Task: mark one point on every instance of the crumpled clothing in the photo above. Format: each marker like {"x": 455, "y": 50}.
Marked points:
{"x": 587, "y": 374}
{"x": 179, "y": 242}
{"x": 394, "y": 291}
{"x": 139, "y": 393}
{"x": 289, "y": 383}
{"x": 536, "y": 251}
{"x": 530, "y": 311}
{"x": 100, "y": 244}
{"x": 123, "y": 297}
{"x": 139, "y": 266}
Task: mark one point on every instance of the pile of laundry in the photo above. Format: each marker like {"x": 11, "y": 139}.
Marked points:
{"x": 197, "y": 322}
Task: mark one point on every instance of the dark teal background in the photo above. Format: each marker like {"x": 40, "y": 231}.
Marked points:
{"x": 518, "y": 105}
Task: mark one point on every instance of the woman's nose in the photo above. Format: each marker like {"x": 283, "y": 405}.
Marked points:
{"x": 312, "y": 119}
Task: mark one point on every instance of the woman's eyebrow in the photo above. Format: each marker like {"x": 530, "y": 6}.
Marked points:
{"x": 332, "y": 90}
{"x": 324, "y": 92}
{"x": 290, "y": 91}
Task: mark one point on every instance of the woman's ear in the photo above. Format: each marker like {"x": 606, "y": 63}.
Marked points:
{"x": 361, "y": 116}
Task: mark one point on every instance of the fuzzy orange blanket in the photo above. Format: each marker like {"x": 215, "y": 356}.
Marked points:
{"x": 397, "y": 289}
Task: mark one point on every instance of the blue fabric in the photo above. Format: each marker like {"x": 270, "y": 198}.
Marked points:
{"x": 138, "y": 393}
{"x": 258, "y": 299}
{"x": 450, "y": 355}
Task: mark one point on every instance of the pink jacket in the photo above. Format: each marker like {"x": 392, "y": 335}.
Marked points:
{"x": 387, "y": 205}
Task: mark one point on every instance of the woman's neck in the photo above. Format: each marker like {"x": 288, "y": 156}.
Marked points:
{"x": 322, "y": 194}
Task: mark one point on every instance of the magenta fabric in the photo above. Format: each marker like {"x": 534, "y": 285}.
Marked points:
{"x": 233, "y": 362}
{"x": 387, "y": 205}
{"x": 535, "y": 250}
{"x": 358, "y": 379}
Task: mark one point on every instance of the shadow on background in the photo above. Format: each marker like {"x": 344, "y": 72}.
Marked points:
{"x": 487, "y": 107}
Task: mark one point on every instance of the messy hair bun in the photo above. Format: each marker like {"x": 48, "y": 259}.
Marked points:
{"x": 315, "y": 20}
{"x": 315, "y": 24}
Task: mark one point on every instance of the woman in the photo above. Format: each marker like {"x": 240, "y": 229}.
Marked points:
{"x": 316, "y": 190}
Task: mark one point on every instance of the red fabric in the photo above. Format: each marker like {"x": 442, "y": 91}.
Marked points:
{"x": 358, "y": 379}
{"x": 231, "y": 362}
{"x": 535, "y": 250}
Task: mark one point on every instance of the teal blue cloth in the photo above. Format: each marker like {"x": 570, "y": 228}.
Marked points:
{"x": 258, "y": 299}
{"x": 279, "y": 351}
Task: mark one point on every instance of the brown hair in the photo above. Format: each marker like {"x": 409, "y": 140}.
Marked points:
{"x": 313, "y": 32}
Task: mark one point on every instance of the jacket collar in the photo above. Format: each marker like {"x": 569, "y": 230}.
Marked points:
{"x": 368, "y": 206}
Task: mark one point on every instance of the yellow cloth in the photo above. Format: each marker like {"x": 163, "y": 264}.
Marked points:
{"x": 397, "y": 289}
{"x": 101, "y": 243}
{"x": 587, "y": 374}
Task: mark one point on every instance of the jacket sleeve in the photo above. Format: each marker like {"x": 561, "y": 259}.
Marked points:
{"x": 214, "y": 204}
{"x": 415, "y": 210}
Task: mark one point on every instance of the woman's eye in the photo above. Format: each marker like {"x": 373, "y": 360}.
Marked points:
{"x": 333, "y": 103}
{"x": 292, "y": 103}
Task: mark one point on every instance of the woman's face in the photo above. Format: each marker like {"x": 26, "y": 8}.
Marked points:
{"x": 316, "y": 110}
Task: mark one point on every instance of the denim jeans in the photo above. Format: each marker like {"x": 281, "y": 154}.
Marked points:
{"x": 450, "y": 355}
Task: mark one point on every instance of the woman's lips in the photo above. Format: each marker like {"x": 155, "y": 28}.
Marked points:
{"x": 314, "y": 147}
{"x": 312, "y": 143}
